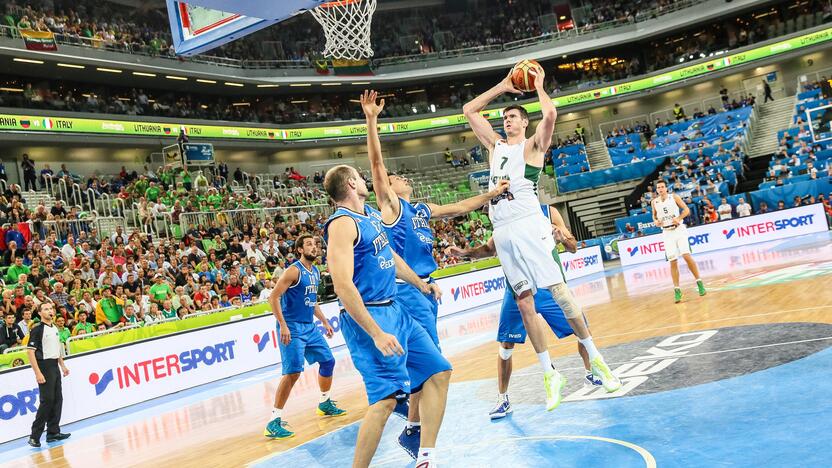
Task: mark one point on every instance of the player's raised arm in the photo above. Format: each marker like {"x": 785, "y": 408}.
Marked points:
{"x": 546, "y": 126}
{"x": 479, "y": 124}
{"x": 342, "y": 234}
{"x": 286, "y": 280}
{"x": 468, "y": 205}
{"x": 386, "y": 198}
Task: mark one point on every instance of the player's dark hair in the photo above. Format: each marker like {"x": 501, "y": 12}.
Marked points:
{"x": 660, "y": 181}
{"x": 523, "y": 112}
{"x": 299, "y": 242}
{"x": 335, "y": 182}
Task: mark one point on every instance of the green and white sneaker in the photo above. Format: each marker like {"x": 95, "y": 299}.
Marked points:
{"x": 554, "y": 382}
{"x": 328, "y": 408}
{"x": 677, "y": 293}
{"x": 701, "y": 286}
{"x": 276, "y": 429}
{"x": 600, "y": 368}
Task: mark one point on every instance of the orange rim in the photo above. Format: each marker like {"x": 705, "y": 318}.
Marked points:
{"x": 337, "y": 3}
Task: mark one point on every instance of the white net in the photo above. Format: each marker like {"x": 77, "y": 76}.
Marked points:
{"x": 346, "y": 26}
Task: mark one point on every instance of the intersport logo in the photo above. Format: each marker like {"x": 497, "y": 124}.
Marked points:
{"x": 162, "y": 367}
{"x": 756, "y": 229}
{"x": 19, "y": 404}
{"x": 262, "y": 340}
{"x": 478, "y": 288}
{"x": 581, "y": 262}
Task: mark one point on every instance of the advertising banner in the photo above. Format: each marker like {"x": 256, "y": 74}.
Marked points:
{"x": 11, "y": 122}
{"x": 730, "y": 234}
{"x": 584, "y": 262}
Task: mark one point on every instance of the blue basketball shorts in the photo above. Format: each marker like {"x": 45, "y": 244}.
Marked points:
{"x": 511, "y": 328}
{"x": 389, "y": 375}
{"x": 307, "y": 343}
{"x": 423, "y": 309}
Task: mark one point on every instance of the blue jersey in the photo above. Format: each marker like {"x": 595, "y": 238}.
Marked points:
{"x": 374, "y": 271}
{"x": 299, "y": 301}
{"x": 412, "y": 238}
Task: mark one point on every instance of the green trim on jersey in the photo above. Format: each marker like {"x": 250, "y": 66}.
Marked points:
{"x": 560, "y": 265}
{"x": 532, "y": 174}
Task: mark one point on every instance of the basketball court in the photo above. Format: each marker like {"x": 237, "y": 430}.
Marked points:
{"x": 732, "y": 378}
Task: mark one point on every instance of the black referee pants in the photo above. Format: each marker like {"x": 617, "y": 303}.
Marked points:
{"x": 51, "y": 400}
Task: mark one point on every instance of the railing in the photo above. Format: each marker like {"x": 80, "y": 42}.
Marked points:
{"x": 3, "y": 185}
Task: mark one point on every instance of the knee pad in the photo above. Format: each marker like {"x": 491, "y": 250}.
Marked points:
{"x": 563, "y": 296}
{"x": 326, "y": 368}
{"x": 505, "y": 353}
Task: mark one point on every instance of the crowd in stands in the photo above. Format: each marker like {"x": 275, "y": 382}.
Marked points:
{"x": 219, "y": 259}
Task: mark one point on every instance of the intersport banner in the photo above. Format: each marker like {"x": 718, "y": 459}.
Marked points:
{"x": 584, "y": 262}
{"x": 11, "y": 122}
{"x": 730, "y": 234}
{"x": 106, "y": 381}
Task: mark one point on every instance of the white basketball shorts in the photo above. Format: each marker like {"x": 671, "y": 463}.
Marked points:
{"x": 528, "y": 254}
{"x": 676, "y": 242}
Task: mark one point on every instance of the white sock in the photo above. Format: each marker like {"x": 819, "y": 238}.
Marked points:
{"x": 545, "y": 361}
{"x": 412, "y": 424}
{"x": 588, "y": 371}
{"x": 425, "y": 454}
{"x": 502, "y": 396}
{"x": 324, "y": 396}
{"x": 276, "y": 413}
{"x": 590, "y": 348}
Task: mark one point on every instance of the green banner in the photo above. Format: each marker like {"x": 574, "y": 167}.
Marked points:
{"x": 10, "y": 122}
{"x": 166, "y": 328}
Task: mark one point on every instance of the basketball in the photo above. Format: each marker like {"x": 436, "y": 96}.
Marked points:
{"x": 522, "y": 75}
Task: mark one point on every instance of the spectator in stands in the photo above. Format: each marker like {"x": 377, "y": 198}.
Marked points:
{"x": 763, "y": 208}
{"x": 12, "y": 336}
{"x": 29, "y": 178}
{"x": 678, "y": 112}
{"x": 797, "y": 201}
{"x": 743, "y": 208}
{"x": 724, "y": 210}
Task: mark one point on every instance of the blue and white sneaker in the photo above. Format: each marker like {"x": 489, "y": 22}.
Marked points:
{"x": 402, "y": 406}
{"x": 409, "y": 440}
{"x": 590, "y": 380}
{"x": 502, "y": 409}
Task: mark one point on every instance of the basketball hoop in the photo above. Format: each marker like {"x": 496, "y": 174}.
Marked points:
{"x": 346, "y": 26}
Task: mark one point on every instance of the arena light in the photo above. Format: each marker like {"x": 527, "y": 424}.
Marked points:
{"x": 25, "y": 60}
{"x": 360, "y": 82}
{"x": 203, "y": 80}
{"x": 299, "y": 102}
{"x": 332, "y": 84}
{"x": 108, "y": 70}
{"x": 174, "y": 77}
{"x": 138, "y": 73}
{"x": 231, "y": 83}
{"x": 300, "y": 85}
{"x": 203, "y": 106}
{"x": 468, "y": 84}
{"x": 268, "y": 86}
{"x": 433, "y": 108}
{"x": 71, "y": 65}
{"x": 12, "y": 90}
{"x": 239, "y": 104}
{"x": 414, "y": 91}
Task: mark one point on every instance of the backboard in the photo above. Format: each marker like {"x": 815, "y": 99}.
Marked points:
{"x": 201, "y": 25}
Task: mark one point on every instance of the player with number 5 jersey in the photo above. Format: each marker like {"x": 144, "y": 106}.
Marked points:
{"x": 522, "y": 235}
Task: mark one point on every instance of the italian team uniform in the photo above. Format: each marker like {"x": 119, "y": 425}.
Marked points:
{"x": 374, "y": 275}
{"x": 412, "y": 239}
{"x": 522, "y": 233}
{"x": 298, "y": 304}
{"x": 511, "y": 328}
{"x": 675, "y": 238}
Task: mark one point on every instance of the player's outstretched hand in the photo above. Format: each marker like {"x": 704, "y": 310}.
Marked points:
{"x": 502, "y": 187}
{"x": 388, "y": 344}
{"x": 454, "y": 251}
{"x": 368, "y": 104}
{"x": 508, "y": 86}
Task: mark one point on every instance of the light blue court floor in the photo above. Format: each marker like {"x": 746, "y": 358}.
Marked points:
{"x": 755, "y": 395}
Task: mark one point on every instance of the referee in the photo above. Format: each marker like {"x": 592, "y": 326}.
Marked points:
{"x": 46, "y": 356}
